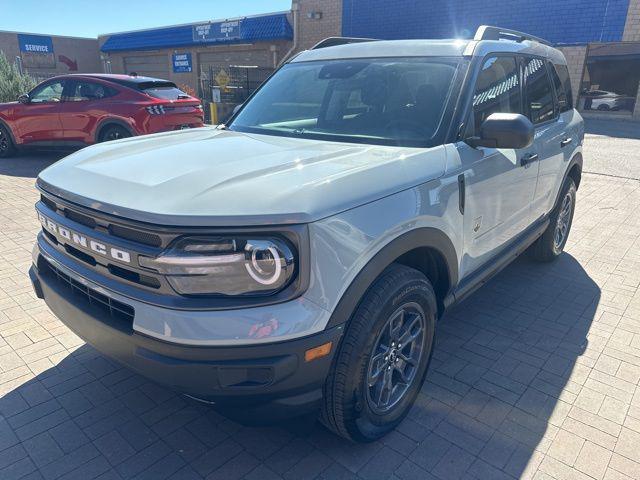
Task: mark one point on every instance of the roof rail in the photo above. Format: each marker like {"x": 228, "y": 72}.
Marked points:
{"x": 334, "y": 41}
{"x": 487, "y": 32}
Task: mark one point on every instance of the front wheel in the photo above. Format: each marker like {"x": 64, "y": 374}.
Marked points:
{"x": 551, "y": 244}
{"x": 7, "y": 148}
{"x": 383, "y": 357}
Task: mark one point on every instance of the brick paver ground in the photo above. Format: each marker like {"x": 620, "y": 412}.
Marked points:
{"x": 535, "y": 376}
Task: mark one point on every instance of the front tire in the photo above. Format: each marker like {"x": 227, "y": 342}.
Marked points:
{"x": 7, "y": 148}
{"x": 551, "y": 244}
{"x": 383, "y": 357}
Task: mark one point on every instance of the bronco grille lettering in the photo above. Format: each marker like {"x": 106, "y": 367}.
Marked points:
{"x": 83, "y": 241}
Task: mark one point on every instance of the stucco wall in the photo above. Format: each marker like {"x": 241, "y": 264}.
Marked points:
{"x": 83, "y": 51}
{"x": 262, "y": 54}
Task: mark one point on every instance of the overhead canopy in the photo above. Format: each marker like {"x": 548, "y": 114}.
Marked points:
{"x": 239, "y": 30}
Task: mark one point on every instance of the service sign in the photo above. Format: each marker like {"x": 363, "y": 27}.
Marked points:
{"x": 36, "y": 51}
{"x": 182, "y": 63}
{"x": 35, "y": 43}
{"x": 212, "y": 32}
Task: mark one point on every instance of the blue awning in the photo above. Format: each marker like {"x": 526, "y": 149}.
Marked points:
{"x": 243, "y": 30}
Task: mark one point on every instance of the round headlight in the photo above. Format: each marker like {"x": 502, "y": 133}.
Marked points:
{"x": 226, "y": 265}
{"x": 266, "y": 264}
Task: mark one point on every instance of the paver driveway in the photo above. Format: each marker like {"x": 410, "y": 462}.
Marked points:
{"x": 535, "y": 376}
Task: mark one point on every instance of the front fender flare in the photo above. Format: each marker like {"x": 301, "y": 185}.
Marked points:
{"x": 8, "y": 128}
{"x": 418, "y": 238}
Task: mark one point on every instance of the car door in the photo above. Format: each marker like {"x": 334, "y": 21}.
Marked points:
{"x": 39, "y": 119}
{"x": 499, "y": 183}
{"x": 550, "y": 131}
{"x": 558, "y": 139}
{"x": 85, "y": 103}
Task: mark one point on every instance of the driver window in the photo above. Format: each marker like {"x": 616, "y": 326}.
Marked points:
{"x": 50, "y": 92}
{"x": 497, "y": 89}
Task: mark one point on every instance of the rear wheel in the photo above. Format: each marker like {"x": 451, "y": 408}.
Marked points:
{"x": 383, "y": 357}
{"x": 113, "y": 132}
{"x": 7, "y": 148}
{"x": 551, "y": 244}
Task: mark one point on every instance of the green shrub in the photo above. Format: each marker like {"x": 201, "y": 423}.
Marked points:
{"x": 12, "y": 82}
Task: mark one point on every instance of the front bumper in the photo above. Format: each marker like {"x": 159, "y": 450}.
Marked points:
{"x": 263, "y": 382}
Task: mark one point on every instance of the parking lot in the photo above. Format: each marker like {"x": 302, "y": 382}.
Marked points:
{"x": 535, "y": 376}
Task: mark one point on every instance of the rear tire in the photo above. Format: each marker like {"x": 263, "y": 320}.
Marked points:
{"x": 551, "y": 244}
{"x": 113, "y": 132}
{"x": 375, "y": 379}
{"x": 7, "y": 148}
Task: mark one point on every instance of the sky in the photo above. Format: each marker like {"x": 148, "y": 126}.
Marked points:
{"x": 89, "y": 18}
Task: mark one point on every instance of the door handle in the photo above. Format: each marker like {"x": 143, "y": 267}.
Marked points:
{"x": 566, "y": 142}
{"x": 528, "y": 158}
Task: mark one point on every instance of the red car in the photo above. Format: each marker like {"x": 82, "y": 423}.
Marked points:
{"x": 78, "y": 110}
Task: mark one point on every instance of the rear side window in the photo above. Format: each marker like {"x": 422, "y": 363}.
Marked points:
{"x": 162, "y": 90}
{"x": 539, "y": 95}
{"x": 86, "y": 91}
{"x": 497, "y": 89}
{"x": 562, "y": 82}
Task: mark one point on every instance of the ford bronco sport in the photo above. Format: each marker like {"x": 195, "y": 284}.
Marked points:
{"x": 299, "y": 256}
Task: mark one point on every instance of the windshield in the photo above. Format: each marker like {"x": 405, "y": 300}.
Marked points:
{"x": 391, "y": 101}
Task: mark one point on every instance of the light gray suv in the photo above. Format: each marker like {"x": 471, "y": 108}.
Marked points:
{"x": 299, "y": 256}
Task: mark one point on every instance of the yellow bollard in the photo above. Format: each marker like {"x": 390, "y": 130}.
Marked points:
{"x": 214, "y": 113}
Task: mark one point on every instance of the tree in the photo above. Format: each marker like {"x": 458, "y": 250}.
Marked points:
{"x": 12, "y": 82}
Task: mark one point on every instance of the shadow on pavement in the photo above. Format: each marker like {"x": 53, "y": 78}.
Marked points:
{"x": 612, "y": 128}
{"x": 29, "y": 165}
{"x": 499, "y": 385}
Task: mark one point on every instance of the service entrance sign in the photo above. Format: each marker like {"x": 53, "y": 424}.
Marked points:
{"x": 216, "y": 32}
{"x": 182, "y": 63}
{"x": 36, "y": 51}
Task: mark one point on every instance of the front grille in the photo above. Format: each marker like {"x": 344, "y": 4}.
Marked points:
{"x": 85, "y": 220}
{"x": 49, "y": 203}
{"x": 118, "y": 233}
{"x": 113, "y": 307}
{"x": 139, "y": 236}
{"x": 131, "y": 234}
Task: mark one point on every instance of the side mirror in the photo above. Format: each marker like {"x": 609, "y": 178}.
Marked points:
{"x": 504, "y": 130}
{"x": 24, "y": 98}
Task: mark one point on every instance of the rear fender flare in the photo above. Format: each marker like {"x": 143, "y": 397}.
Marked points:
{"x": 575, "y": 160}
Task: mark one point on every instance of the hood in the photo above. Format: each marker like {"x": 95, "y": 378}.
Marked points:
{"x": 216, "y": 177}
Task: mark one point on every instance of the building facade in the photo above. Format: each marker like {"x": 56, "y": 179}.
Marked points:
{"x": 225, "y": 60}
{"x": 44, "y": 56}
{"x": 600, "y": 38}
{"x": 230, "y": 56}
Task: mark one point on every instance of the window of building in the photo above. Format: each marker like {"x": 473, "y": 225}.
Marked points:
{"x": 497, "y": 89}
{"x": 539, "y": 94}
{"x": 562, "y": 83}
{"x": 611, "y": 78}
